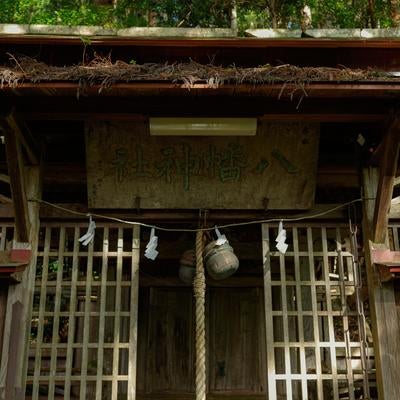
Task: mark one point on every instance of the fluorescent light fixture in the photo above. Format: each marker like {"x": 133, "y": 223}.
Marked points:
{"x": 203, "y": 126}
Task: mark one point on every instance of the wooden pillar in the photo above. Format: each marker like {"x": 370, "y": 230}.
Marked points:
{"x": 18, "y": 137}
{"x": 21, "y": 150}
{"x": 3, "y": 307}
{"x": 385, "y": 321}
{"x": 15, "y": 340}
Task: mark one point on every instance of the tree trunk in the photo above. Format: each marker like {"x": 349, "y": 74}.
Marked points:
{"x": 394, "y": 13}
{"x": 152, "y": 17}
{"x": 371, "y": 13}
{"x": 273, "y": 12}
{"x": 234, "y": 24}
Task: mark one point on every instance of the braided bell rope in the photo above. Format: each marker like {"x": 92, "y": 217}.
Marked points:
{"x": 199, "y": 289}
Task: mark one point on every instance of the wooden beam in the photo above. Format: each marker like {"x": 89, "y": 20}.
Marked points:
{"x": 13, "y": 124}
{"x": 67, "y": 108}
{"x": 189, "y": 43}
{"x": 51, "y": 213}
{"x": 17, "y": 182}
{"x": 324, "y": 117}
{"x": 369, "y": 90}
{"x": 387, "y": 173}
{"x": 123, "y": 116}
{"x": 85, "y": 116}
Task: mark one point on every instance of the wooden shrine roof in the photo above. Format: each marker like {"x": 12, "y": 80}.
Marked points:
{"x": 335, "y": 82}
{"x": 45, "y": 65}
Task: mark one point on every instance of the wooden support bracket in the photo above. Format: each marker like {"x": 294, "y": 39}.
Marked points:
{"x": 16, "y": 172}
{"x": 387, "y": 173}
{"x": 382, "y": 255}
{"x": 386, "y": 261}
{"x": 11, "y": 269}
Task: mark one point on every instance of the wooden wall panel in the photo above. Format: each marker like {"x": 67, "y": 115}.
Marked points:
{"x": 170, "y": 341}
{"x": 235, "y": 342}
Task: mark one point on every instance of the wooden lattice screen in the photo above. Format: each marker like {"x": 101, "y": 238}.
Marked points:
{"x": 84, "y": 313}
{"x": 83, "y": 332}
{"x": 314, "y": 349}
{"x": 394, "y": 236}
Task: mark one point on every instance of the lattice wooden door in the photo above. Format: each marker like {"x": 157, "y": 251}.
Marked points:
{"x": 84, "y": 314}
{"x": 313, "y": 324}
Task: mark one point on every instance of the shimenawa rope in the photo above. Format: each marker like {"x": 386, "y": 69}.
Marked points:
{"x": 199, "y": 289}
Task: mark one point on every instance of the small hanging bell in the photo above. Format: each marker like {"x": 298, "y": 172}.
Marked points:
{"x": 220, "y": 260}
{"x": 187, "y": 266}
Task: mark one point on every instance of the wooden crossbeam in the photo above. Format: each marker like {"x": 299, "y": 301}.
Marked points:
{"x": 387, "y": 173}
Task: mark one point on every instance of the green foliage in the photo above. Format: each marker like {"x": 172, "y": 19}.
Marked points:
{"x": 204, "y": 13}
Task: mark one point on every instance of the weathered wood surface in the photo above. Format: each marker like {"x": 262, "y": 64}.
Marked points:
{"x": 170, "y": 341}
{"x": 236, "y": 341}
{"x": 13, "y": 351}
{"x": 124, "y": 163}
{"x": 20, "y": 294}
{"x": 385, "y": 321}
{"x": 16, "y": 172}
{"x": 387, "y": 174}
{"x": 235, "y": 350}
{"x": 3, "y": 308}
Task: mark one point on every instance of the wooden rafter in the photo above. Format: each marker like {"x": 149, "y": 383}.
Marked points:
{"x": 387, "y": 174}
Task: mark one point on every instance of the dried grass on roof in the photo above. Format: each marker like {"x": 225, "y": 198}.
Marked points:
{"x": 104, "y": 72}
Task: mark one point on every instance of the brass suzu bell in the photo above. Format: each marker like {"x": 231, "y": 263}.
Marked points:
{"x": 221, "y": 261}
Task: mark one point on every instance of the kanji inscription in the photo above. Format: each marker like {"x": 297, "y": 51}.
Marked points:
{"x": 125, "y": 163}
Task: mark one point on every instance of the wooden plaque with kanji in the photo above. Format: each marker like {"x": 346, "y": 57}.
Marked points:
{"x": 125, "y": 164}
